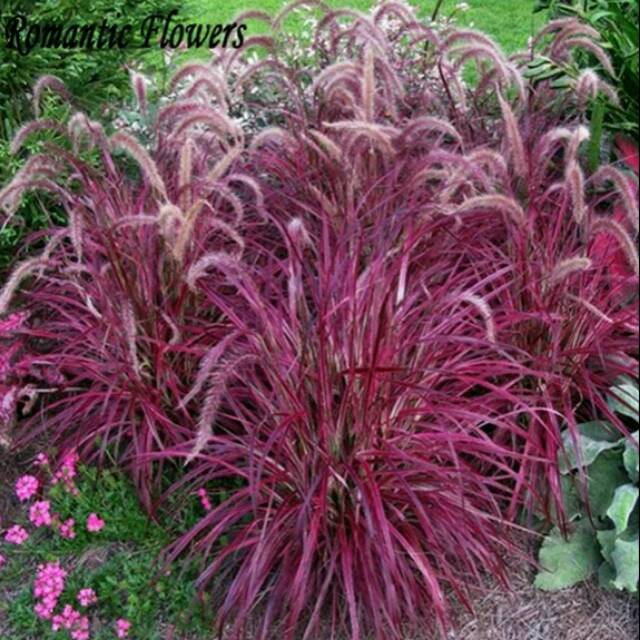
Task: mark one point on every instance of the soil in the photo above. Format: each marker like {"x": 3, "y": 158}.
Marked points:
{"x": 11, "y": 466}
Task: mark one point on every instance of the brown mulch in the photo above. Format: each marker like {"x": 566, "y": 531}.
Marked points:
{"x": 584, "y": 612}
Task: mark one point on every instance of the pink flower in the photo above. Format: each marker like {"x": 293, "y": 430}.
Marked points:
{"x": 47, "y": 588}
{"x": 42, "y": 460}
{"x": 68, "y": 619}
{"x": 16, "y": 535}
{"x": 26, "y": 487}
{"x": 2, "y": 560}
{"x": 122, "y": 628}
{"x": 87, "y": 597}
{"x": 67, "y": 471}
{"x": 44, "y": 609}
{"x": 94, "y": 523}
{"x": 81, "y": 633}
{"x": 204, "y": 500}
{"x": 39, "y": 514}
{"x": 66, "y": 529}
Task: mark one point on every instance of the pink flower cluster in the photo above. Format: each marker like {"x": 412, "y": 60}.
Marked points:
{"x": 122, "y": 628}
{"x": 42, "y": 460}
{"x": 26, "y": 487}
{"x": 87, "y": 597}
{"x": 50, "y": 578}
{"x": 94, "y": 523}
{"x": 67, "y": 472}
{"x": 73, "y": 621}
{"x": 16, "y": 534}
{"x": 39, "y": 514}
{"x": 47, "y": 588}
{"x": 66, "y": 529}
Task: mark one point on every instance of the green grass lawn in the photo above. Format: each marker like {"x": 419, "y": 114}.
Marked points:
{"x": 510, "y": 22}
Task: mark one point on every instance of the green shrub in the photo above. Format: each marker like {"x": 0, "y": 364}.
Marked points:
{"x": 606, "y": 542}
{"x": 617, "y": 23}
{"x": 97, "y": 80}
{"x": 36, "y": 211}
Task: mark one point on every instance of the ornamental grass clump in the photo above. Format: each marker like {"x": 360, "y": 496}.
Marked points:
{"x": 358, "y": 302}
{"x": 114, "y": 324}
{"x": 354, "y": 411}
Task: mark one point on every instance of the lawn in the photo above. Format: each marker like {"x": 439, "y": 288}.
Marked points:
{"x": 510, "y": 22}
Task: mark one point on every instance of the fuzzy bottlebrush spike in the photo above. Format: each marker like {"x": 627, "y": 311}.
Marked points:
{"x": 131, "y": 363}
{"x": 48, "y": 82}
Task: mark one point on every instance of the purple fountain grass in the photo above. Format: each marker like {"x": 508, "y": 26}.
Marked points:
{"x": 365, "y": 294}
{"x": 113, "y": 316}
{"x": 356, "y": 414}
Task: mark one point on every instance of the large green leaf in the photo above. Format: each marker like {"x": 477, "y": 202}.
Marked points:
{"x": 567, "y": 562}
{"x": 624, "y": 398}
{"x": 605, "y": 475}
{"x": 606, "y": 575}
{"x": 589, "y": 449}
{"x": 599, "y": 430}
{"x": 625, "y": 558}
{"x": 607, "y": 540}
{"x": 624, "y": 501}
{"x": 631, "y": 457}
{"x": 572, "y": 502}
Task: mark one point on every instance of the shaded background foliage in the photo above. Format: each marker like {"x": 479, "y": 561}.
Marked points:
{"x": 617, "y": 23}
{"x": 97, "y": 80}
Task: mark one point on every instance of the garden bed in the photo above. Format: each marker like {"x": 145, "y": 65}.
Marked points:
{"x": 583, "y": 612}
{"x": 307, "y": 330}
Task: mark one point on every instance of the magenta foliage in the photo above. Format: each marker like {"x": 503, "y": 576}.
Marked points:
{"x": 371, "y": 309}
{"x": 115, "y": 323}
{"x": 355, "y": 410}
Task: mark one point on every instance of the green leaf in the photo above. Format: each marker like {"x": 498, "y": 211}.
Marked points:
{"x": 567, "y": 562}
{"x": 535, "y": 68}
{"x": 606, "y": 575}
{"x": 549, "y": 73}
{"x": 625, "y": 559}
{"x": 607, "y": 540}
{"x": 605, "y": 475}
{"x": 595, "y": 140}
{"x": 598, "y": 15}
{"x": 599, "y": 430}
{"x": 573, "y": 507}
{"x": 624, "y": 501}
{"x": 624, "y": 399}
{"x": 562, "y": 83}
{"x": 630, "y": 458}
{"x": 540, "y": 61}
{"x": 589, "y": 449}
